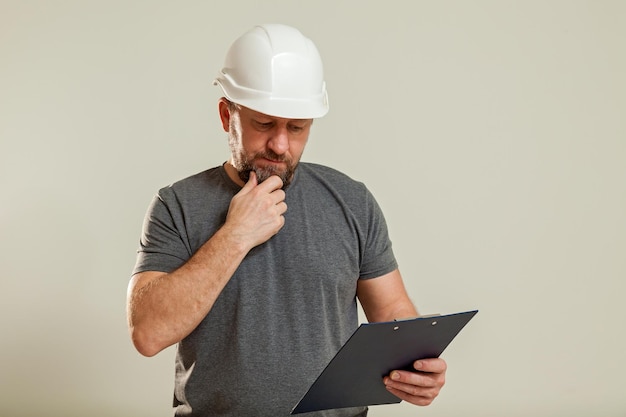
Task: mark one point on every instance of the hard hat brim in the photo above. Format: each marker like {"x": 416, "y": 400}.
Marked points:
{"x": 288, "y": 108}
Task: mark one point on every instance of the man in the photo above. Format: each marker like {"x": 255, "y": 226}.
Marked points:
{"x": 253, "y": 267}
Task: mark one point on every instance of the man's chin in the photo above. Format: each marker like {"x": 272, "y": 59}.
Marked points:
{"x": 264, "y": 173}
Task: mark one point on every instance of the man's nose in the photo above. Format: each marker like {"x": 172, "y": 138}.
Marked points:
{"x": 279, "y": 142}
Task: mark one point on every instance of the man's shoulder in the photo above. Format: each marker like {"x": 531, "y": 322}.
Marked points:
{"x": 324, "y": 172}
{"x": 195, "y": 178}
{"x": 205, "y": 181}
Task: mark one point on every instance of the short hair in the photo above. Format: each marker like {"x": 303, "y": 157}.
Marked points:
{"x": 232, "y": 106}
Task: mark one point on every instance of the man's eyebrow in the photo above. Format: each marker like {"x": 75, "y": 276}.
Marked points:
{"x": 262, "y": 119}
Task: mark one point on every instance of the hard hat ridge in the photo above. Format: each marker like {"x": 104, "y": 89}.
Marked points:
{"x": 275, "y": 70}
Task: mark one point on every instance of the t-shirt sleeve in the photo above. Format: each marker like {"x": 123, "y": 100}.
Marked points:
{"x": 162, "y": 246}
{"x": 378, "y": 258}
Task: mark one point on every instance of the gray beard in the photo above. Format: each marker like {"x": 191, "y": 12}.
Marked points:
{"x": 244, "y": 166}
{"x": 264, "y": 173}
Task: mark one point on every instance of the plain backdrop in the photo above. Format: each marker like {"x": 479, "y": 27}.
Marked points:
{"x": 492, "y": 133}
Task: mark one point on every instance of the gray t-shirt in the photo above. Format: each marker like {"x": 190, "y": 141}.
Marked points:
{"x": 290, "y": 305}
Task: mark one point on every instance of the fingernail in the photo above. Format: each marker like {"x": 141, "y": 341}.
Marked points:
{"x": 395, "y": 376}
{"x": 417, "y": 365}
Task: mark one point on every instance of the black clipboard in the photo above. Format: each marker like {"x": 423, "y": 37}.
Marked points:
{"x": 354, "y": 377}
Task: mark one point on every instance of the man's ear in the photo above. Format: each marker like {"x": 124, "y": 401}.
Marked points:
{"x": 224, "y": 114}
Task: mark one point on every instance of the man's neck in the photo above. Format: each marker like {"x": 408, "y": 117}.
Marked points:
{"x": 233, "y": 174}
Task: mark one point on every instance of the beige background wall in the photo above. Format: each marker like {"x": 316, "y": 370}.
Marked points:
{"x": 492, "y": 133}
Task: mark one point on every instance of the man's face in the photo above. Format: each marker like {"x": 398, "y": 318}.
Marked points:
{"x": 266, "y": 144}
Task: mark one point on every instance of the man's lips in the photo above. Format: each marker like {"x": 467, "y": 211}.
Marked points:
{"x": 266, "y": 161}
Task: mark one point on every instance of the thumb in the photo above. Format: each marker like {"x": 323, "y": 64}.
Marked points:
{"x": 252, "y": 182}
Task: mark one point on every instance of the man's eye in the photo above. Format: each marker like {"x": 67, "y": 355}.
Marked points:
{"x": 296, "y": 128}
{"x": 263, "y": 125}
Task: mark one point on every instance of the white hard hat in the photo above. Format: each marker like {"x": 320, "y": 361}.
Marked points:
{"x": 275, "y": 70}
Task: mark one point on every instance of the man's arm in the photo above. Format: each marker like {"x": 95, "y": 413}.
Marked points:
{"x": 385, "y": 299}
{"x": 163, "y": 308}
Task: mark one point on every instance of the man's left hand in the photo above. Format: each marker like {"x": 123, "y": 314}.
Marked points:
{"x": 420, "y": 387}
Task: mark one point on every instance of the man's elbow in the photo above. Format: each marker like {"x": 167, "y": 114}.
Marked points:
{"x": 144, "y": 342}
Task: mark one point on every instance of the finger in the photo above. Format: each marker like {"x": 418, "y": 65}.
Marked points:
{"x": 252, "y": 182}
{"x": 272, "y": 183}
{"x": 432, "y": 365}
{"x": 278, "y": 196}
{"x": 414, "y": 387}
{"x": 416, "y": 379}
{"x": 281, "y": 208}
{"x": 423, "y": 400}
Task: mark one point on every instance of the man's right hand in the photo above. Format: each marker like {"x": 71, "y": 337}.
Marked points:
{"x": 256, "y": 211}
